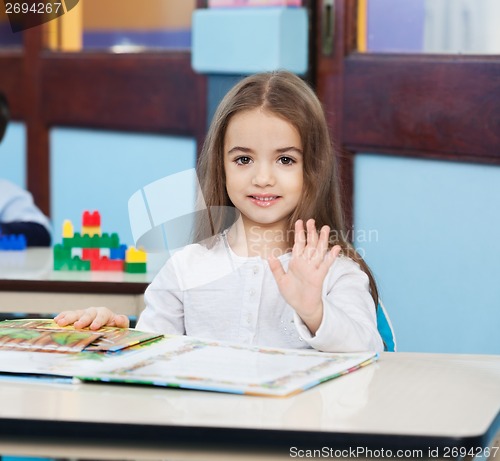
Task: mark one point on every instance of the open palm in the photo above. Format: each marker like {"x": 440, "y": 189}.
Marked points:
{"x": 302, "y": 284}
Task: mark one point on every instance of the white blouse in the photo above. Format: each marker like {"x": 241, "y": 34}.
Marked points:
{"x": 216, "y": 294}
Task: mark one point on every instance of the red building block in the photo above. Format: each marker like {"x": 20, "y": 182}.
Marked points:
{"x": 91, "y": 219}
{"x": 91, "y": 253}
{"x": 106, "y": 264}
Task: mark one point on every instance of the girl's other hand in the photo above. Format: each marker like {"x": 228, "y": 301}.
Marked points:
{"x": 93, "y": 317}
{"x": 302, "y": 285}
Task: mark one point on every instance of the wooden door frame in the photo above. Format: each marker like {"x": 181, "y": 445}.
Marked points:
{"x": 153, "y": 92}
{"x": 419, "y": 105}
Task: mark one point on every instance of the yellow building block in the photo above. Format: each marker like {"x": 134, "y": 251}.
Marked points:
{"x": 67, "y": 229}
{"x": 133, "y": 255}
{"x": 91, "y": 230}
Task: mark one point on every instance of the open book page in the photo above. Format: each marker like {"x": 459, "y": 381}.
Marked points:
{"x": 191, "y": 363}
{"x": 175, "y": 361}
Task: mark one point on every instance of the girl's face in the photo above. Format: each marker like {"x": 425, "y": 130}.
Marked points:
{"x": 264, "y": 168}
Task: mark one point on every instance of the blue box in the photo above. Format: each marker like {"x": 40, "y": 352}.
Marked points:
{"x": 249, "y": 40}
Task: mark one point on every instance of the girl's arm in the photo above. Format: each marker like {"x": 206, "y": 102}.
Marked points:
{"x": 302, "y": 284}
{"x": 349, "y": 322}
{"x": 164, "y": 312}
{"x": 334, "y": 310}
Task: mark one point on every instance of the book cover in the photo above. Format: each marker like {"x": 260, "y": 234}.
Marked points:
{"x": 46, "y": 335}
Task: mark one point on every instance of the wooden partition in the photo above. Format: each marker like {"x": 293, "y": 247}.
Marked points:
{"x": 155, "y": 92}
{"x": 421, "y": 105}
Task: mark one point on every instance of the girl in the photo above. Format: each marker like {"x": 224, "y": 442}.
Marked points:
{"x": 266, "y": 277}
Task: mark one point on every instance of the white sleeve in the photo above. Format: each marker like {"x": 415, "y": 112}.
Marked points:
{"x": 16, "y": 204}
{"x": 164, "y": 312}
{"x": 349, "y": 321}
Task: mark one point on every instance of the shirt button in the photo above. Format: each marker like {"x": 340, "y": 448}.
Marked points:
{"x": 249, "y": 318}
{"x": 256, "y": 269}
{"x": 252, "y": 292}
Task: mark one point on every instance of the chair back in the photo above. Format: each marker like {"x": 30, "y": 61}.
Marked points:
{"x": 385, "y": 328}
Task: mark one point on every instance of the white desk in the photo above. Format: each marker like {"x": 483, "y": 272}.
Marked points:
{"x": 405, "y": 401}
{"x": 28, "y": 284}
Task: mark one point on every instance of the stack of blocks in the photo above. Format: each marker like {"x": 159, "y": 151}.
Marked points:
{"x": 13, "y": 242}
{"x": 91, "y": 250}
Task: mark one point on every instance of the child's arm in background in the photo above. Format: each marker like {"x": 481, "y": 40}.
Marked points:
{"x": 35, "y": 233}
{"x": 19, "y": 215}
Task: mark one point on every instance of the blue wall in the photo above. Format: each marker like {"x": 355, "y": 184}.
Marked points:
{"x": 434, "y": 249}
{"x": 13, "y": 154}
{"x": 97, "y": 170}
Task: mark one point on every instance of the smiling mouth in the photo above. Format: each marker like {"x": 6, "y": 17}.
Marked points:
{"x": 265, "y": 199}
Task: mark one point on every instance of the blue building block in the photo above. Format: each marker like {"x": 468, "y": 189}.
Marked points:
{"x": 13, "y": 242}
{"x": 249, "y": 40}
{"x": 118, "y": 253}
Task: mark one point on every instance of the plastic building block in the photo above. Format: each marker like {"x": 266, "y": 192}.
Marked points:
{"x": 71, "y": 264}
{"x": 13, "y": 242}
{"x": 133, "y": 255}
{"x": 91, "y": 250}
{"x": 67, "y": 230}
{"x": 91, "y": 253}
{"x": 106, "y": 264}
{"x": 91, "y": 230}
{"x": 135, "y": 268}
{"x": 118, "y": 253}
{"x": 61, "y": 252}
{"x": 91, "y": 223}
{"x": 91, "y": 219}
{"x": 94, "y": 241}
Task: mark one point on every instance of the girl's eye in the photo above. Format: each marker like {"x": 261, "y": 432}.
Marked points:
{"x": 243, "y": 160}
{"x": 286, "y": 160}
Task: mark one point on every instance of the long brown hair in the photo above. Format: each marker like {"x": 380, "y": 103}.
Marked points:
{"x": 287, "y": 96}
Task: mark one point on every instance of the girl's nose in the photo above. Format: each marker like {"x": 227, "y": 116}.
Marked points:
{"x": 263, "y": 176}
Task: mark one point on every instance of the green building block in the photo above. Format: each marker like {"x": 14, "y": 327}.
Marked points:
{"x": 135, "y": 268}
{"x": 61, "y": 252}
{"x": 94, "y": 241}
{"x": 71, "y": 264}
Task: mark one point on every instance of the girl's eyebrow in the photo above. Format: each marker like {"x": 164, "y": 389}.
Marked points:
{"x": 235, "y": 149}
{"x": 288, "y": 149}
{"x": 247, "y": 150}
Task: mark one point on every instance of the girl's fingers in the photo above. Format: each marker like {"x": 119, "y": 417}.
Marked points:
{"x": 121, "y": 321}
{"x": 300, "y": 239}
{"x": 331, "y": 257}
{"x": 93, "y": 317}
{"x": 103, "y": 317}
{"x": 86, "y": 318}
{"x": 67, "y": 317}
{"x": 312, "y": 240}
{"x": 276, "y": 268}
{"x": 322, "y": 246}
{"x": 312, "y": 235}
